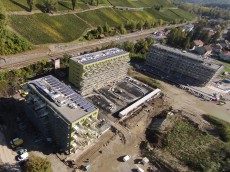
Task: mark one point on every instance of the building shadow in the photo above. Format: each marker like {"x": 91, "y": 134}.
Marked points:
{"x": 20, "y": 5}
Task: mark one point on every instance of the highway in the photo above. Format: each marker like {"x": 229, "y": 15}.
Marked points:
{"x": 58, "y": 50}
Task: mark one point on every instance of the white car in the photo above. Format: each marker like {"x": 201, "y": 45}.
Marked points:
{"x": 23, "y": 156}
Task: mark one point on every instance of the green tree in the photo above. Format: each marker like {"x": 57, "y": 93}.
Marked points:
{"x": 216, "y": 36}
{"x": 147, "y": 24}
{"x": 187, "y": 43}
{"x": 141, "y": 46}
{"x": 100, "y": 29}
{"x": 73, "y": 4}
{"x": 150, "y": 41}
{"x": 128, "y": 46}
{"x": 106, "y": 27}
{"x": 30, "y": 4}
{"x": 37, "y": 164}
{"x": 50, "y": 5}
{"x": 140, "y": 25}
{"x": 122, "y": 29}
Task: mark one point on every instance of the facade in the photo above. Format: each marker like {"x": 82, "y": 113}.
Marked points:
{"x": 180, "y": 66}
{"x": 60, "y": 114}
{"x": 95, "y": 70}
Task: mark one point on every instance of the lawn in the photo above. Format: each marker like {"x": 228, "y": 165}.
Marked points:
{"x": 140, "y": 3}
{"x": 41, "y": 28}
{"x": 21, "y": 5}
{"x": 226, "y": 65}
{"x": 101, "y": 16}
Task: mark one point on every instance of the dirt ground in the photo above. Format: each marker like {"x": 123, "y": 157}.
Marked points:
{"x": 109, "y": 159}
{"x": 181, "y": 100}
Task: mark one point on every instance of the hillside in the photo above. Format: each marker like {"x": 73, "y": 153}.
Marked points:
{"x": 205, "y": 1}
{"x": 67, "y": 25}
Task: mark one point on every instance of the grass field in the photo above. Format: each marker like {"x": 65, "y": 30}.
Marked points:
{"x": 41, "y": 28}
{"x": 226, "y": 65}
{"x": 140, "y": 3}
{"x": 21, "y": 5}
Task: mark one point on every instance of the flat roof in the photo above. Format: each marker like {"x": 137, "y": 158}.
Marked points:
{"x": 71, "y": 105}
{"x": 205, "y": 61}
{"x": 98, "y": 56}
{"x": 180, "y": 52}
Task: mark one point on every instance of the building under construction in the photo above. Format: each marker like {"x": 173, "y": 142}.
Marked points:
{"x": 60, "y": 114}
{"x": 180, "y": 66}
{"x": 95, "y": 70}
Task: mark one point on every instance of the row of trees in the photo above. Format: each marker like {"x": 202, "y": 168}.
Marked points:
{"x": 206, "y": 11}
{"x": 179, "y": 38}
{"x": 129, "y": 26}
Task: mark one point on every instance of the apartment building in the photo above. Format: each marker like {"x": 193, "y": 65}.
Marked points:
{"x": 180, "y": 66}
{"x": 95, "y": 70}
{"x": 60, "y": 114}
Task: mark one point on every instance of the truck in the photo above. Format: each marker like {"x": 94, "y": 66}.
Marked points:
{"x": 16, "y": 142}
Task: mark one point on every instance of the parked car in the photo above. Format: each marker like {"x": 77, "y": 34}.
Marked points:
{"x": 22, "y": 151}
{"x": 16, "y": 142}
{"x": 23, "y": 157}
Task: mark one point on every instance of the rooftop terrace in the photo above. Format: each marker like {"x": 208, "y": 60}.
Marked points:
{"x": 62, "y": 98}
{"x": 98, "y": 56}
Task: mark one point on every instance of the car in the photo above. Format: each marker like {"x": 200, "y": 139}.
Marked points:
{"x": 21, "y": 151}
{"x": 16, "y": 142}
{"x": 23, "y": 156}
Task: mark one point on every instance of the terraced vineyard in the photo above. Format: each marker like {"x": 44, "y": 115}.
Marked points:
{"x": 140, "y": 3}
{"x": 41, "y": 28}
{"x": 101, "y": 16}
{"x": 65, "y": 28}
{"x": 21, "y": 5}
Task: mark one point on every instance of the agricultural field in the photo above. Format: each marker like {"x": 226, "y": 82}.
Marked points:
{"x": 140, "y": 3}
{"x": 21, "y": 5}
{"x": 135, "y": 15}
{"x": 101, "y": 16}
{"x": 46, "y": 29}
{"x": 66, "y": 28}
{"x": 170, "y": 15}
{"x": 183, "y": 14}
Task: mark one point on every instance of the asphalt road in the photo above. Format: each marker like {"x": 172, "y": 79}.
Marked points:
{"x": 58, "y": 50}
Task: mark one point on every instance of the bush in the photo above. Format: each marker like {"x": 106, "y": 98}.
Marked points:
{"x": 37, "y": 164}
